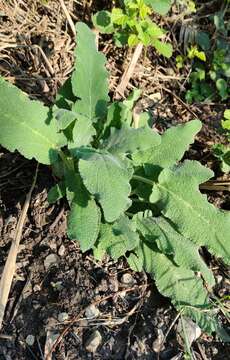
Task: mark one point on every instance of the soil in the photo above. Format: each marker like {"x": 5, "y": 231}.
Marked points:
{"x": 47, "y": 304}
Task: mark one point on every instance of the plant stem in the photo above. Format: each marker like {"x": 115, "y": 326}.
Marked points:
{"x": 142, "y": 179}
{"x": 65, "y": 160}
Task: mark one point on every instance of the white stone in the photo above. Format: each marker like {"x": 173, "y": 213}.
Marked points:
{"x": 63, "y": 317}
{"x": 30, "y": 340}
{"x": 127, "y": 279}
{"x": 61, "y": 250}
{"x": 50, "y": 261}
{"x": 93, "y": 341}
{"x": 92, "y": 312}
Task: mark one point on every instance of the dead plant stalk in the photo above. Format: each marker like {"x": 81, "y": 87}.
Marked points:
{"x": 10, "y": 265}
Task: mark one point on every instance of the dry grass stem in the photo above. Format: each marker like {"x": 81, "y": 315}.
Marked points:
{"x": 9, "y": 269}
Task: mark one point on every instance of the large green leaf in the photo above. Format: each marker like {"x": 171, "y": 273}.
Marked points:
{"x": 174, "y": 142}
{"x": 128, "y": 140}
{"x": 159, "y": 6}
{"x": 180, "y": 200}
{"x": 116, "y": 239}
{"x": 26, "y": 126}
{"x": 107, "y": 178}
{"x": 178, "y": 283}
{"x": 170, "y": 242}
{"x": 173, "y": 281}
{"x": 84, "y": 217}
{"x": 90, "y": 78}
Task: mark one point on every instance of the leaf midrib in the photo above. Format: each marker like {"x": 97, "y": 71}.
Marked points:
{"x": 24, "y": 124}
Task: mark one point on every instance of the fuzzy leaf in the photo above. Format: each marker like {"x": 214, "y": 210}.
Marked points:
{"x": 83, "y": 132}
{"x": 180, "y": 200}
{"x": 107, "y": 178}
{"x": 118, "y": 238}
{"x": 90, "y": 79}
{"x": 171, "y": 243}
{"x": 174, "y": 142}
{"x": 175, "y": 282}
{"x": 64, "y": 117}
{"x": 128, "y": 140}
{"x": 27, "y": 126}
{"x": 84, "y": 217}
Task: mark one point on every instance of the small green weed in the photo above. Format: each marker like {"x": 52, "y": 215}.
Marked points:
{"x": 209, "y": 79}
{"x": 132, "y": 25}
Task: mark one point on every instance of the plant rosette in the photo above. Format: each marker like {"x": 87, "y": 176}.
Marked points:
{"x": 128, "y": 191}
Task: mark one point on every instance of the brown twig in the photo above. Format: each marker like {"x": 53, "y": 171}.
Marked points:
{"x": 128, "y": 72}
{"x": 216, "y": 185}
{"x": 9, "y": 269}
{"x": 68, "y": 17}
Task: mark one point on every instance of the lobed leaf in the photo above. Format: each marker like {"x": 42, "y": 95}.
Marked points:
{"x": 180, "y": 200}
{"x": 171, "y": 243}
{"x": 173, "y": 281}
{"x": 129, "y": 140}
{"x": 174, "y": 142}
{"x": 107, "y": 178}
{"x": 116, "y": 239}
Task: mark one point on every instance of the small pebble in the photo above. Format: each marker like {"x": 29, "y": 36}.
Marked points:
{"x": 53, "y": 245}
{"x": 36, "y": 288}
{"x": 93, "y": 341}
{"x": 30, "y": 340}
{"x": 219, "y": 279}
{"x": 127, "y": 279}
{"x": 61, "y": 250}
{"x": 62, "y": 317}
{"x": 92, "y": 312}
{"x": 158, "y": 344}
{"x": 51, "y": 260}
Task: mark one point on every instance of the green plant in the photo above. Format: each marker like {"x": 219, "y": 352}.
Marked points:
{"x": 192, "y": 53}
{"x": 222, "y": 152}
{"x": 225, "y": 122}
{"x": 210, "y": 80}
{"x": 128, "y": 194}
{"x": 188, "y": 6}
{"x": 132, "y": 25}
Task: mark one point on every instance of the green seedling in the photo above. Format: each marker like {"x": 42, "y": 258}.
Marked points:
{"x": 225, "y": 122}
{"x": 222, "y": 152}
{"x": 132, "y": 24}
{"x": 128, "y": 191}
{"x": 214, "y": 82}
